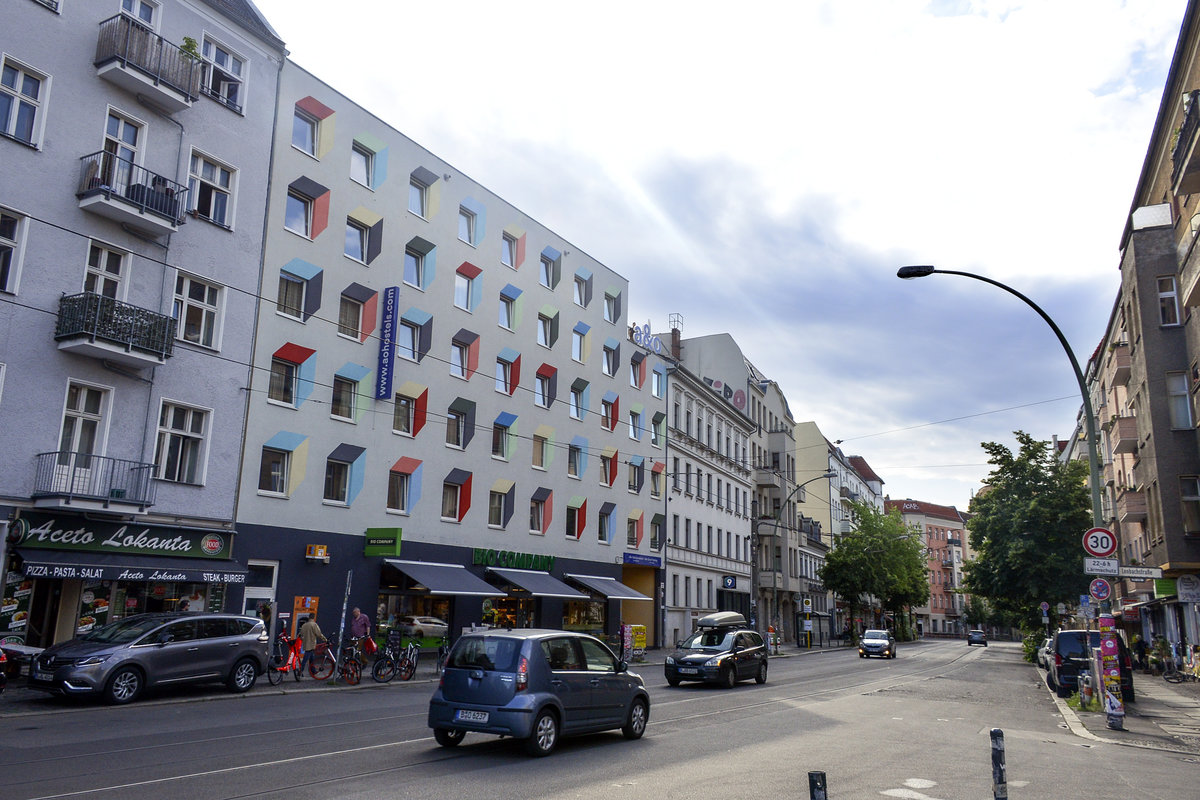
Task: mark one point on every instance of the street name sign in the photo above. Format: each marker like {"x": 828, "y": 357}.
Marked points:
{"x": 1101, "y": 566}
{"x": 1139, "y": 573}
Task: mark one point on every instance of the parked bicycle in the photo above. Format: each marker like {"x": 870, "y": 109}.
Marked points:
{"x": 285, "y": 657}
{"x": 396, "y": 658}
{"x": 1178, "y": 667}
{"x": 347, "y": 666}
{"x": 443, "y": 653}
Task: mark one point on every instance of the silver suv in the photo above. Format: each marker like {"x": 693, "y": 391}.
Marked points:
{"x": 535, "y": 685}
{"x": 120, "y": 659}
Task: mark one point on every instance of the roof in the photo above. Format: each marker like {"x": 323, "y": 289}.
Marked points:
{"x": 246, "y": 14}
{"x": 928, "y": 509}
{"x": 864, "y": 469}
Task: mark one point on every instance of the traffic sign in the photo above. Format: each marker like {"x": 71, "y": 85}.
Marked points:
{"x": 1099, "y": 542}
{"x": 1045, "y": 606}
{"x": 1141, "y": 573}
{"x": 1100, "y": 566}
{"x": 1100, "y": 589}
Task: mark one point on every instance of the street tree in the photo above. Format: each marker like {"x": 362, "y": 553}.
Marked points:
{"x": 1025, "y": 528}
{"x": 882, "y": 559}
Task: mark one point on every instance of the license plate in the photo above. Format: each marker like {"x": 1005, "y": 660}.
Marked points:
{"x": 38, "y": 675}
{"x": 465, "y": 715}
{"x": 688, "y": 671}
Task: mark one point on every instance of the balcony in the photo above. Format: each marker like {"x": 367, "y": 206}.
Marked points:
{"x": 1185, "y": 160}
{"x": 120, "y": 190}
{"x": 101, "y": 327}
{"x": 1124, "y": 435}
{"x": 1131, "y": 507}
{"x": 87, "y": 482}
{"x": 846, "y": 526}
{"x": 767, "y": 478}
{"x": 143, "y": 63}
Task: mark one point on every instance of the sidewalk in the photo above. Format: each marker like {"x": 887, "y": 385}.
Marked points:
{"x": 1165, "y": 716}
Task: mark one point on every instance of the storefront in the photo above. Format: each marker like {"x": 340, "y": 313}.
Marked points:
{"x": 67, "y": 574}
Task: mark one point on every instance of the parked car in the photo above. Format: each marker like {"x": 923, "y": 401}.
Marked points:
{"x": 976, "y": 637}
{"x": 723, "y": 650}
{"x": 1071, "y": 653}
{"x": 535, "y": 685}
{"x": 877, "y": 643}
{"x": 421, "y": 627}
{"x": 1043, "y": 653}
{"x": 121, "y": 659}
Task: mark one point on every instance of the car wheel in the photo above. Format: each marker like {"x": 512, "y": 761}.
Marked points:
{"x": 447, "y": 737}
{"x": 673, "y": 681}
{"x": 545, "y": 734}
{"x": 243, "y": 676}
{"x": 124, "y": 686}
{"x": 635, "y": 723}
{"x": 1062, "y": 691}
{"x": 761, "y": 677}
{"x": 728, "y": 678}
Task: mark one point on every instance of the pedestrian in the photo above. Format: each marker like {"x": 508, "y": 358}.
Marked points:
{"x": 310, "y": 634}
{"x": 1139, "y": 649}
{"x": 360, "y": 624}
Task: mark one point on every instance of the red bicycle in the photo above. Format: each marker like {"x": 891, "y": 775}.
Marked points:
{"x": 285, "y": 657}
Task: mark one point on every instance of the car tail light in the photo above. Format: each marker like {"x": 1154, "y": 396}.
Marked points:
{"x": 1058, "y": 662}
{"x": 522, "y": 675}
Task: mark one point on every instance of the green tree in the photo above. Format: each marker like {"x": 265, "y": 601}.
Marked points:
{"x": 882, "y": 559}
{"x": 1025, "y": 528}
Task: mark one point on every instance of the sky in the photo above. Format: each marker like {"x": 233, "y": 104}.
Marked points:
{"x": 762, "y": 169}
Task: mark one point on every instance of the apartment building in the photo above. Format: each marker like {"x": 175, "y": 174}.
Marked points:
{"x": 447, "y": 414}
{"x": 134, "y": 139}
{"x": 944, "y": 531}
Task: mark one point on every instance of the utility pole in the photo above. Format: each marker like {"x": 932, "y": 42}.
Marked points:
{"x": 754, "y": 567}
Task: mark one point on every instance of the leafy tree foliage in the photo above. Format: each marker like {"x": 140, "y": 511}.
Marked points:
{"x": 882, "y": 559}
{"x": 1026, "y": 528}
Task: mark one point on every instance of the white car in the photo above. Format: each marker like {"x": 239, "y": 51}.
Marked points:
{"x": 423, "y": 627}
{"x": 1043, "y": 653}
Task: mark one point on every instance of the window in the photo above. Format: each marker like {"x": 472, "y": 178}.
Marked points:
{"x": 402, "y": 415}
{"x": 397, "y": 492}
{"x": 179, "y": 452}
{"x": 408, "y": 336}
{"x": 1168, "y": 301}
{"x": 304, "y": 132}
{"x": 504, "y": 376}
{"x": 612, "y": 307}
{"x": 541, "y": 391}
{"x": 450, "y": 501}
{"x": 500, "y": 440}
{"x": 342, "y": 404}
{"x": 608, "y": 415}
{"x": 546, "y": 272}
{"x": 298, "y": 215}
{"x": 607, "y": 470}
{"x": 466, "y": 225}
{"x": 282, "y": 388}
{"x": 362, "y": 165}
{"x": 458, "y": 359}
{"x": 140, "y": 10}
{"x": 635, "y": 374}
{"x": 223, "y": 81}
{"x": 656, "y": 481}
{"x": 537, "y": 512}
{"x": 209, "y": 187}
{"x": 11, "y": 228}
{"x": 414, "y": 267}
{"x": 337, "y": 481}
{"x": 356, "y": 240}
{"x": 539, "y": 451}
{"x": 577, "y": 402}
{"x": 349, "y": 317}
{"x": 636, "y": 476}
{"x": 577, "y": 340}
{"x": 604, "y": 526}
{"x": 635, "y": 425}
{"x": 463, "y": 286}
{"x": 631, "y": 533}
{"x": 20, "y": 101}
{"x": 574, "y": 456}
{"x": 544, "y": 328}
{"x": 496, "y": 509}
{"x": 273, "y": 471}
{"x": 574, "y": 520}
{"x": 580, "y": 291}
{"x": 104, "y": 271}
{"x": 656, "y": 429}
{"x": 658, "y": 382}
{"x": 507, "y": 309}
{"x": 417, "y": 197}
{"x": 1178, "y": 400}
{"x": 610, "y": 360}
{"x": 508, "y": 250}
{"x": 196, "y": 306}
{"x": 456, "y": 423}
{"x": 1189, "y": 496}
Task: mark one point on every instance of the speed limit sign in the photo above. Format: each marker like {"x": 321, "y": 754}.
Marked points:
{"x": 1099, "y": 543}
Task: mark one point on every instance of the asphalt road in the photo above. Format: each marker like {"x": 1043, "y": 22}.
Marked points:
{"x": 915, "y": 727}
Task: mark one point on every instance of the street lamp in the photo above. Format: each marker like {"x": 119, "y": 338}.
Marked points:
{"x": 1089, "y": 415}
{"x": 754, "y": 543}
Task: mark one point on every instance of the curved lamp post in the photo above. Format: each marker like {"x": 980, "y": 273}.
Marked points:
{"x": 754, "y": 546}
{"x": 1089, "y": 415}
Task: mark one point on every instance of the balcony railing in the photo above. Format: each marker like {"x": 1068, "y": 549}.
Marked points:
{"x": 1124, "y": 434}
{"x": 93, "y": 316}
{"x": 1131, "y": 506}
{"x": 128, "y": 42}
{"x": 119, "y": 179}
{"x": 1185, "y": 162}
{"x": 81, "y": 476}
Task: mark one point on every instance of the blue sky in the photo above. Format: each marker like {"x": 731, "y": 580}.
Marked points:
{"x": 765, "y": 170}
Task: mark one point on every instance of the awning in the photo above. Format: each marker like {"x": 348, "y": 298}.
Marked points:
{"x": 609, "y": 587}
{"x": 538, "y": 584}
{"x": 444, "y": 578}
{"x": 128, "y": 567}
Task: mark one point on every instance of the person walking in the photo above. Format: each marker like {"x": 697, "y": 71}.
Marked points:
{"x": 310, "y": 634}
{"x": 1139, "y": 650}
{"x": 360, "y": 632}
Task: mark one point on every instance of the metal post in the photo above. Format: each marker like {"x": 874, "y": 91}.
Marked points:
{"x": 754, "y": 615}
{"x": 999, "y": 773}
{"x": 816, "y": 786}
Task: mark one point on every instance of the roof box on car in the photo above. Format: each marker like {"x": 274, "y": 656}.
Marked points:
{"x": 722, "y": 619}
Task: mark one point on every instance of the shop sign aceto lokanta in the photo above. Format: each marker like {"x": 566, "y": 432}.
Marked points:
{"x": 50, "y": 533}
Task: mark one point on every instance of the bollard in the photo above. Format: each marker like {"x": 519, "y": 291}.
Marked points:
{"x": 816, "y": 786}
{"x": 999, "y": 774}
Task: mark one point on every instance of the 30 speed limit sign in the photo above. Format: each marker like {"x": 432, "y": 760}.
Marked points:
{"x": 1099, "y": 543}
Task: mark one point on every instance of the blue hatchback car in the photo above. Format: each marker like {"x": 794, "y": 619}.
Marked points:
{"x": 535, "y": 685}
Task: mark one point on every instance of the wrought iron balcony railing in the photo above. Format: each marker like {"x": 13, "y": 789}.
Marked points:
{"x": 95, "y": 316}
{"x": 83, "y": 476}
{"x": 135, "y": 46}
{"x": 120, "y": 179}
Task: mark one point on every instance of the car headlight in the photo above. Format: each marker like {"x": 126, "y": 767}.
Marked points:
{"x": 671, "y": 660}
{"x": 91, "y": 661}
{"x": 715, "y": 661}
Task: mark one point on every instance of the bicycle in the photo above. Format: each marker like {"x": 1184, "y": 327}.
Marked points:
{"x": 285, "y": 657}
{"x": 348, "y": 667}
{"x": 1178, "y": 669}
{"x": 443, "y": 653}
{"x": 406, "y": 665}
{"x": 385, "y": 663}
